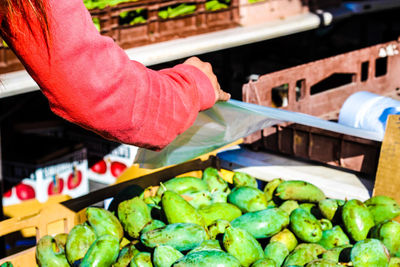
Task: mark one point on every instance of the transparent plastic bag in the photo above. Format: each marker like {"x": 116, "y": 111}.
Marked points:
{"x": 227, "y": 122}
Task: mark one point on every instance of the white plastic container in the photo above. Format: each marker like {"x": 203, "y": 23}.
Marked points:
{"x": 368, "y": 111}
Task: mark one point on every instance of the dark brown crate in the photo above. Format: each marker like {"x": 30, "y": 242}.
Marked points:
{"x": 320, "y": 88}
{"x": 323, "y": 4}
{"x": 156, "y": 29}
{"x": 8, "y": 60}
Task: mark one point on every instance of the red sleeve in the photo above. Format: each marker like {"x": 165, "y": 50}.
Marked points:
{"x": 90, "y": 81}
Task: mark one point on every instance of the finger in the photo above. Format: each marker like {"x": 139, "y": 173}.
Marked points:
{"x": 223, "y": 96}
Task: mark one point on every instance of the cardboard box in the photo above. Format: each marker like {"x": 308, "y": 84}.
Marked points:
{"x": 38, "y": 167}
{"x": 106, "y": 159}
{"x": 107, "y": 169}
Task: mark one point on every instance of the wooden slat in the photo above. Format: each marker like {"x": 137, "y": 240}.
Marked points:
{"x": 387, "y": 180}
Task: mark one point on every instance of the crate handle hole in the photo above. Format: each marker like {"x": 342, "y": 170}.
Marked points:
{"x": 300, "y": 89}
{"x": 364, "y": 71}
{"x": 279, "y": 95}
{"x": 333, "y": 81}
{"x": 133, "y": 17}
{"x": 381, "y": 66}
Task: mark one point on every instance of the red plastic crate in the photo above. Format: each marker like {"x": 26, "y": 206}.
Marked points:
{"x": 320, "y": 88}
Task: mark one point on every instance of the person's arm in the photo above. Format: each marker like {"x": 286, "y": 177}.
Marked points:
{"x": 90, "y": 81}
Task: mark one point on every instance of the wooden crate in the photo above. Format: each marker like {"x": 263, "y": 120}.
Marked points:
{"x": 319, "y": 89}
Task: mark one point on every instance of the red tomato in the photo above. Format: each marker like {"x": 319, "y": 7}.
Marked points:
{"x": 99, "y": 167}
{"x": 55, "y": 189}
{"x": 74, "y": 179}
{"x": 7, "y": 193}
{"x": 117, "y": 168}
{"x": 25, "y": 192}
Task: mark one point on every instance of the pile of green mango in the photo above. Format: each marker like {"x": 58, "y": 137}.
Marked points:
{"x": 92, "y": 4}
{"x": 209, "y": 222}
{"x": 176, "y": 11}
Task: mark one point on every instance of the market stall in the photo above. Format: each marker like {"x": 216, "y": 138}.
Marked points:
{"x": 309, "y": 180}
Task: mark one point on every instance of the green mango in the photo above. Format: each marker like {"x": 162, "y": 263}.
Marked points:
{"x": 394, "y": 262}
{"x": 152, "y": 201}
{"x": 308, "y": 207}
{"x": 182, "y": 185}
{"x": 134, "y": 215}
{"x": 148, "y": 196}
{"x": 285, "y": 237}
{"x": 264, "y": 263}
{"x": 263, "y": 223}
{"x": 217, "y": 227}
{"x": 276, "y": 251}
{"x": 154, "y": 224}
{"x": 103, "y": 252}
{"x": 7, "y": 264}
{"x": 323, "y": 263}
{"x": 312, "y": 208}
{"x": 209, "y": 244}
{"x": 305, "y": 226}
{"x": 104, "y": 222}
{"x": 48, "y": 254}
{"x": 289, "y": 205}
{"x": 126, "y": 255}
{"x": 299, "y": 190}
{"x": 142, "y": 259}
{"x": 165, "y": 256}
{"x": 220, "y": 196}
{"x": 61, "y": 240}
{"x": 198, "y": 199}
{"x": 303, "y": 254}
{"x": 337, "y": 254}
{"x": 328, "y": 207}
{"x": 271, "y": 204}
{"x": 79, "y": 240}
{"x": 214, "y": 180}
{"x": 207, "y": 258}
{"x": 389, "y": 233}
{"x": 244, "y": 179}
{"x": 269, "y": 189}
{"x": 242, "y": 245}
{"x": 334, "y": 237}
{"x": 217, "y": 211}
{"x": 248, "y": 198}
{"x": 369, "y": 253}
{"x": 181, "y": 236}
{"x": 383, "y": 208}
{"x": 178, "y": 210}
{"x": 357, "y": 219}
{"x": 325, "y": 224}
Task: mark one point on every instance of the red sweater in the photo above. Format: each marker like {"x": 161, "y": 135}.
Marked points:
{"x": 90, "y": 81}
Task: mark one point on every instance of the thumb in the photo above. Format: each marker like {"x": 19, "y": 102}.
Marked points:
{"x": 223, "y": 96}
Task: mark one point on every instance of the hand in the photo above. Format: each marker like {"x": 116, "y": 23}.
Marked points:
{"x": 206, "y": 68}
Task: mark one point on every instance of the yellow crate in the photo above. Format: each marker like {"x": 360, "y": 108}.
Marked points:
{"x": 30, "y": 207}
{"x": 135, "y": 171}
{"x": 41, "y": 220}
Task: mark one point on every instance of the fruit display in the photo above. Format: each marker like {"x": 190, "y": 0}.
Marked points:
{"x": 92, "y": 4}
{"x": 189, "y": 221}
